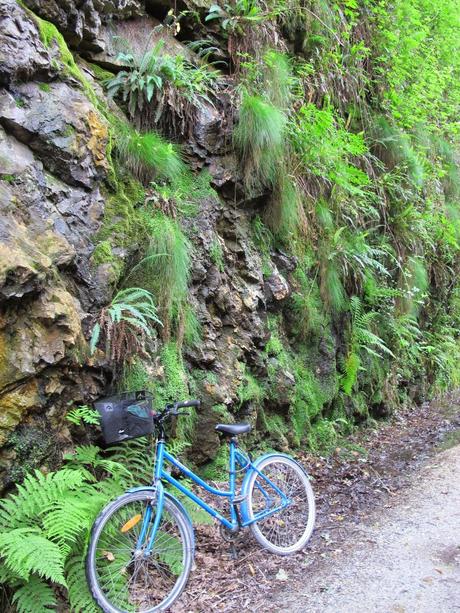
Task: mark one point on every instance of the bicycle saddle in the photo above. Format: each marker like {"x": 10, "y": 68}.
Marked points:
{"x": 233, "y": 429}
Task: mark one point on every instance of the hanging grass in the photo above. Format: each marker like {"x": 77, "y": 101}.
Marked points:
{"x": 277, "y": 79}
{"x": 259, "y": 140}
{"x": 284, "y": 212}
{"x": 331, "y": 286}
{"x": 414, "y": 284}
{"x": 165, "y": 268}
{"x": 395, "y": 147}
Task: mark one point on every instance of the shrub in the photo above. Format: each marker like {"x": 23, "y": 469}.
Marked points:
{"x": 325, "y": 148}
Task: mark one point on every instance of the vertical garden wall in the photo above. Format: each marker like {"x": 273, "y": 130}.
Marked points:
{"x": 253, "y": 203}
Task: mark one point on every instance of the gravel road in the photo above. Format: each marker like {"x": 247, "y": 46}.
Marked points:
{"x": 405, "y": 560}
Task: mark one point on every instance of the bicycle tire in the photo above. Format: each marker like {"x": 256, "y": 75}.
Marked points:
{"x": 112, "y": 585}
{"x": 288, "y": 530}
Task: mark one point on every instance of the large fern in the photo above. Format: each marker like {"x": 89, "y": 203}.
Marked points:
{"x": 26, "y": 551}
{"x": 45, "y": 527}
{"x": 37, "y": 492}
{"x": 362, "y": 338}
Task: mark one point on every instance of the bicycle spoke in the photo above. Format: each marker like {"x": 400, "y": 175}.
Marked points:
{"x": 286, "y": 527}
{"x": 139, "y": 581}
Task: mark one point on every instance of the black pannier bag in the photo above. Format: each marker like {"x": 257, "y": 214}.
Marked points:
{"x": 125, "y": 416}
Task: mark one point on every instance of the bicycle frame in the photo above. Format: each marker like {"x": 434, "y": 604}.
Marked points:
{"x": 236, "y": 521}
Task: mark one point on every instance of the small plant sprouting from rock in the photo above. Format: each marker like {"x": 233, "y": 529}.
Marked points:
{"x": 83, "y": 415}
{"x": 125, "y": 325}
{"x": 161, "y": 89}
{"x": 216, "y": 254}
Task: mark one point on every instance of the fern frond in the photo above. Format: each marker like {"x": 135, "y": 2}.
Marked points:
{"x": 35, "y": 596}
{"x": 80, "y": 597}
{"x": 64, "y": 520}
{"x": 138, "y": 455}
{"x": 36, "y": 492}
{"x": 26, "y": 551}
{"x": 351, "y": 369}
{"x": 90, "y": 455}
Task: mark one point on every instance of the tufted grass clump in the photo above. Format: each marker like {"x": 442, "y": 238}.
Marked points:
{"x": 147, "y": 155}
{"x": 259, "y": 140}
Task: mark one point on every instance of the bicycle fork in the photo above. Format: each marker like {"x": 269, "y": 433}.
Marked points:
{"x": 147, "y": 522}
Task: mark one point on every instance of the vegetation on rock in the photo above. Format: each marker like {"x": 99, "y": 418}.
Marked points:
{"x": 301, "y": 248}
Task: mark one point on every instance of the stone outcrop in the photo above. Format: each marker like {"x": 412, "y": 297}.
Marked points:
{"x": 52, "y": 167}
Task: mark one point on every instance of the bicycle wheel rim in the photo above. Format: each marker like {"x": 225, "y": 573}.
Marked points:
{"x": 122, "y": 578}
{"x": 288, "y": 530}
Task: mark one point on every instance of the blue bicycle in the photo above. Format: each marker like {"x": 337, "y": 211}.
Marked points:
{"x": 142, "y": 544}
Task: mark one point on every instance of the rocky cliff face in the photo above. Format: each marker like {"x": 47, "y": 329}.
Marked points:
{"x": 53, "y": 193}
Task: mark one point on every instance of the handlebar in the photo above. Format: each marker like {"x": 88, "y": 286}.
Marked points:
{"x": 173, "y": 409}
{"x": 187, "y": 403}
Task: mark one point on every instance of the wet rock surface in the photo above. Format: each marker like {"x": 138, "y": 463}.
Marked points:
{"x": 53, "y": 186}
{"x": 52, "y": 168}
{"x": 80, "y": 23}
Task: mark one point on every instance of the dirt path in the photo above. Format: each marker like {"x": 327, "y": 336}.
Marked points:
{"x": 385, "y": 537}
{"x": 406, "y": 560}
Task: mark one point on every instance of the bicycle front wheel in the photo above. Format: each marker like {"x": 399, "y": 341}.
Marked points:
{"x": 121, "y": 577}
{"x": 289, "y": 529}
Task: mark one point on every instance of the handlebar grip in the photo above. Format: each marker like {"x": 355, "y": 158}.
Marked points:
{"x": 187, "y": 403}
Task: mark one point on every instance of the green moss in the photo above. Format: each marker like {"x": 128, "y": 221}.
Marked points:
{"x": 134, "y": 377}
{"x": 173, "y": 387}
{"x": 222, "y": 413}
{"x": 192, "y": 327}
{"x": 250, "y": 389}
{"x": 217, "y": 469}
{"x": 274, "y": 345}
{"x": 124, "y": 222}
{"x": 8, "y": 178}
{"x": 45, "y": 87}
{"x": 101, "y": 74}
{"x": 323, "y": 437}
{"x": 50, "y": 35}
{"x": 275, "y": 430}
{"x": 103, "y": 254}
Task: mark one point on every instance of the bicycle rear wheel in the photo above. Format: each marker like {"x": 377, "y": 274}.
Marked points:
{"x": 289, "y": 529}
{"x": 121, "y": 578}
